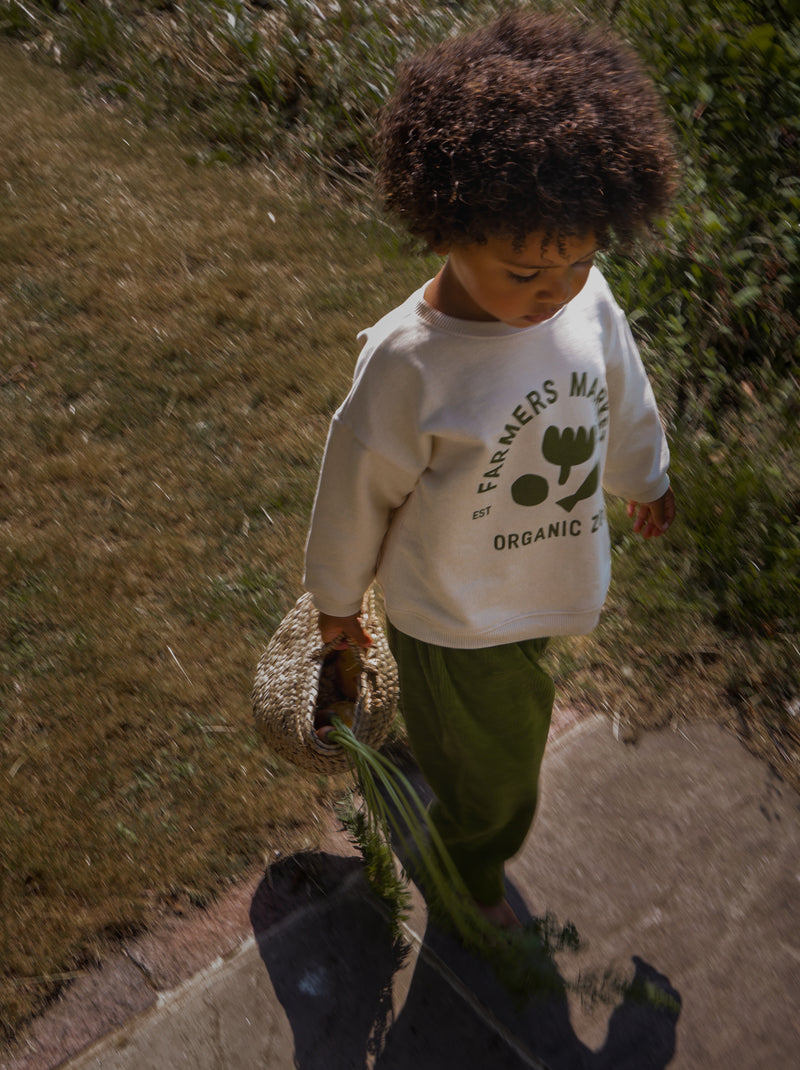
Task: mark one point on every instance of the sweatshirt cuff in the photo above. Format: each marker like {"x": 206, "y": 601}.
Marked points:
{"x": 653, "y": 493}
{"x": 336, "y": 609}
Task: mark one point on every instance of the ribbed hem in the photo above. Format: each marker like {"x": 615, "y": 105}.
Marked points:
{"x": 336, "y": 609}
{"x": 534, "y": 626}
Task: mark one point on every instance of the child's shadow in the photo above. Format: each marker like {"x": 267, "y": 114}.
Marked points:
{"x": 332, "y": 966}
{"x": 485, "y": 1027}
{"x": 330, "y": 956}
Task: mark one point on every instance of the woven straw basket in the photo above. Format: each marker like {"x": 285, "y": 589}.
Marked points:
{"x": 288, "y": 681}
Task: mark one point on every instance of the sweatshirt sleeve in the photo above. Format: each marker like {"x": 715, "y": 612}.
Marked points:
{"x": 638, "y": 457}
{"x": 358, "y": 491}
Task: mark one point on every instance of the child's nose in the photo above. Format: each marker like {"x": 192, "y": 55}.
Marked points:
{"x": 556, "y": 286}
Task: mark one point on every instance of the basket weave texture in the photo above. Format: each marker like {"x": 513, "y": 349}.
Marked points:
{"x": 288, "y": 681}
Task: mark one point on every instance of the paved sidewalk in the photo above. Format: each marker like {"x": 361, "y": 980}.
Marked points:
{"x": 677, "y": 857}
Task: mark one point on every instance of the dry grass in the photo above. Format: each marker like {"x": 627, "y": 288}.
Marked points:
{"x": 173, "y": 342}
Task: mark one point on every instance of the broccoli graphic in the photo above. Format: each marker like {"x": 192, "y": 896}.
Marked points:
{"x": 567, "y": 448}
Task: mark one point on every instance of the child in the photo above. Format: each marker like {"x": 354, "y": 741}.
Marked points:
{"x": 465, "y": 470}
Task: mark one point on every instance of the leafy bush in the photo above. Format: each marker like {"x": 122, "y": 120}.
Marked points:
{"x": 291, "y": 81}
{"x": 715, "y": 302}
{"x": 744, "y": 522}
{"x": 725, "y": 285}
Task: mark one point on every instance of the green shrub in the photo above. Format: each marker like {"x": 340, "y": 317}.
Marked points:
{"x": 295, "y": 80}
{"x": 743, "y": 518}
{"x": 714, "y": 302}
{"x": 722, "y": 293}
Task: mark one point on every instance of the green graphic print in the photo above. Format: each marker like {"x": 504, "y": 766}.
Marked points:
{"x": 565, "y": 448}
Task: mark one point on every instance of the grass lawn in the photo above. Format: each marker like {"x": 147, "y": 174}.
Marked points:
{"x": 174, "y": 341}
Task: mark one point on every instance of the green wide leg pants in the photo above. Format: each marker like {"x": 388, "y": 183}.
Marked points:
{"x": 477, "y": 722}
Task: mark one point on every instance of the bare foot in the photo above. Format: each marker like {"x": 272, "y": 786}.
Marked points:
{"x": 501, "y": 914}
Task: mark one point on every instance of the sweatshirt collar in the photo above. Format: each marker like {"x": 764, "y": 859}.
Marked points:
{"x": 469, "y": 328}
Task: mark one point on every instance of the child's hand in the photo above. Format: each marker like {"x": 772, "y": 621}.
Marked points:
{"x": 331, "y": 628}
{"x": 653, "y": 518}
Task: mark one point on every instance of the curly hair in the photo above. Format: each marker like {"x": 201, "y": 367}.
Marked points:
{"x": 532, "y": 123}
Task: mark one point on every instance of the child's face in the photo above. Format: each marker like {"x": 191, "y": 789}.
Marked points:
{"x": 517, "y": 286}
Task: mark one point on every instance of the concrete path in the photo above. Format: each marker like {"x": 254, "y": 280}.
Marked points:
{"x": 677, "y": 858}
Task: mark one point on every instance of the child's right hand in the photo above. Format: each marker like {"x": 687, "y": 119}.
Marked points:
{"x": 331, "y": 628}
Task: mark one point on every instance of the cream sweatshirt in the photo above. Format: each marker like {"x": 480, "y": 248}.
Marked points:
{"x": 465, "y": 471}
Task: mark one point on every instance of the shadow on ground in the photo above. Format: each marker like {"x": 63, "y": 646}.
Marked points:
{"x": 334, "y": 965}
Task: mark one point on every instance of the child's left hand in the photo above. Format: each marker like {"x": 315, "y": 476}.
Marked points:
{"x": 653, "y": 518}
